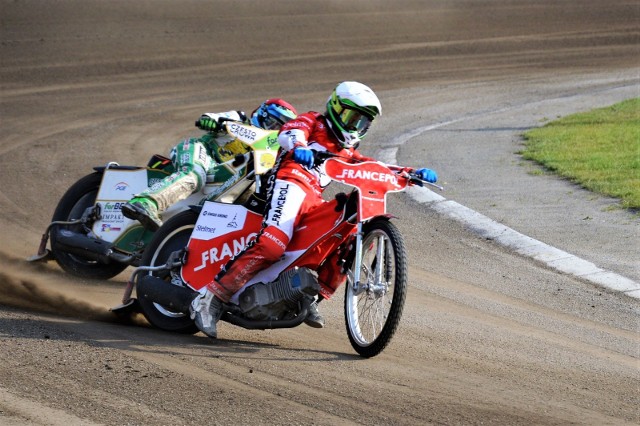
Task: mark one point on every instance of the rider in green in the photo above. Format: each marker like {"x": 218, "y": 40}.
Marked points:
{"x": 194, "y": 159}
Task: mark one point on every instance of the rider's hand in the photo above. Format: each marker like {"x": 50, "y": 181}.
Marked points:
{"x": 427, "y": 174}
{"x": 207, "y": 123}
{"x": 303, "y": 156}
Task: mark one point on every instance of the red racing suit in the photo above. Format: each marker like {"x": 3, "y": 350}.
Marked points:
{"x": 292, "y": 191}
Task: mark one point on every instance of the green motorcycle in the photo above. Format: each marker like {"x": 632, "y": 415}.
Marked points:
{"x": 91, "y": 238}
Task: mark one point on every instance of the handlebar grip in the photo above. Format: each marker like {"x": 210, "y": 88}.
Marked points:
{"x": 320, "y": 156}
{"x": 414, "y": 179}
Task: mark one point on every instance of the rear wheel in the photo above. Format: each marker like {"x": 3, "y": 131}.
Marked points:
{"x": 172, "y": 236}
{"x": 80, "y": 196}
{"x": 373, "y": 307}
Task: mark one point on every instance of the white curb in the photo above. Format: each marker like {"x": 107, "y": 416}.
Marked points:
{"x": 526, "y": 246}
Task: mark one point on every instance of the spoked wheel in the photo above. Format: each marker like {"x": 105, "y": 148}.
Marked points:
{"x": 373, "y": 306}
{"x": 172, "y": 236}
{"x": 72, "y": 205}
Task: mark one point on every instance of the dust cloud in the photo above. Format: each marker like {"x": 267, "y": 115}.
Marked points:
{"x": 37, "y": 287}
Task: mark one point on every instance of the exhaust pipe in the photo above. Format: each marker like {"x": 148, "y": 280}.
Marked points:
{"x": 81, "y": 245}
{"x": 173, "y": 297}
{"x": 89, "y": 248}
{"x": 250, "y": 324}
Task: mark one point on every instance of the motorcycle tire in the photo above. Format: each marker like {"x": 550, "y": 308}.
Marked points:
{"x": 373, "y": 311}
{"x": 172, "y": 236}
{"x": 80, "y": 196}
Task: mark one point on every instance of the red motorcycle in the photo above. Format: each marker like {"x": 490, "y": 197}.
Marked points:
{"x": 348, "y": 239}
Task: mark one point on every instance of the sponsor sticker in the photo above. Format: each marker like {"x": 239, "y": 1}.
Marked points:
{"x": 107, "y": 227}
{"x": 217, "y": 219}
{"x": 121, "y": 186}
{"x": 242, "y": 132}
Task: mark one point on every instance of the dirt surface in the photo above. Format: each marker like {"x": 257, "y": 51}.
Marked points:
{"x": 487, "y": 337}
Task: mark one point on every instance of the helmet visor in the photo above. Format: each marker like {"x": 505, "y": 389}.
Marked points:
{"x": 354, "y": 121}
{"x": 270, "y": 123}
{"x": 275, "y": 116}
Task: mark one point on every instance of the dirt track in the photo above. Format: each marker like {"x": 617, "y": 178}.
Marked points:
{"x": 487, "y": 337}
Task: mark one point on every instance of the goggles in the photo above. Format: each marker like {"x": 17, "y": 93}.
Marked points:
{"x": 352, "y": 120}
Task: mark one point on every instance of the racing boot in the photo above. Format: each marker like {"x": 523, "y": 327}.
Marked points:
{"x": 144, "y": 210}
{"x": 206, "y": 310}
{"x": 314, "y": 319}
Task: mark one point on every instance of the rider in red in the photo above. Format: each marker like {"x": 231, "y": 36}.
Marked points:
{"x": 293, "y": 190}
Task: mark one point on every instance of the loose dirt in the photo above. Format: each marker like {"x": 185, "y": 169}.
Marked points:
{"x": 487, "y": 337}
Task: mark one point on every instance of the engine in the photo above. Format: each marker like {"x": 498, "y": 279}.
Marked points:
{"x": 275, "y": 300}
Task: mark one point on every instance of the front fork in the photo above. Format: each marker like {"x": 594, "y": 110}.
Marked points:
{"x": 377, "y": 286}
{"x": 357, "y": 263}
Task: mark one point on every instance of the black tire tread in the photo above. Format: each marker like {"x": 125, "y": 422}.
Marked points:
{"x": 184, "y": 324}
{"x": 399, "y": 295}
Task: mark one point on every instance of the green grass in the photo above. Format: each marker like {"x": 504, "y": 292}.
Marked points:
{"x": 599, "y": 150}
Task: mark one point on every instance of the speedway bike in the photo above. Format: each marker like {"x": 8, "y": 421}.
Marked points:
{"x": 349, "y": 239}
{"x": 90, "y": 237}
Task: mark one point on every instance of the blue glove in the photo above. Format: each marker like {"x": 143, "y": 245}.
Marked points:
{"x": 303, "y": 156}
{"x": 427, "y": 174}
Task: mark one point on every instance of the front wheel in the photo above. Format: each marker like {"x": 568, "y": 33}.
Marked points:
{"x": 373, "y": 307}
{"x": 172, "y": 236}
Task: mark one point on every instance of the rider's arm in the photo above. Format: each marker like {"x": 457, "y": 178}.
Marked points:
{"x": 295, "y": 133}
{"x": 292, "y": 139}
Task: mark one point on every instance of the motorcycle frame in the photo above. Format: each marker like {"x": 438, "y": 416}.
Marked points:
{"x": 264, "y": 147}
{"x": 372, "y": 182}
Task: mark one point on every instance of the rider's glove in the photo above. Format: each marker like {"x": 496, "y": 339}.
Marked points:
{"x": 303, "y": 156}
{"x": 207, "y": 123}
{"x": 427, "y": 174}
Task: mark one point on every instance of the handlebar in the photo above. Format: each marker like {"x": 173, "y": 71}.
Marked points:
{"x": 320, "y": 156}
{"x": 222, "y": 120}
{"x": 417, "y": 181}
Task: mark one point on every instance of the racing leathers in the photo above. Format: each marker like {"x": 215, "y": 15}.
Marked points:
{"x": 196, "y": 161}
{"x": 292, "y": 191}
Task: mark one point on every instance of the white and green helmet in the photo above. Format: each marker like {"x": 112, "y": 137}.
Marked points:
{"x": 350, "y": 110}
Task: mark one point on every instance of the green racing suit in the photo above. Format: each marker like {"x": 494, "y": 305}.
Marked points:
{"x": 200, "y": 161}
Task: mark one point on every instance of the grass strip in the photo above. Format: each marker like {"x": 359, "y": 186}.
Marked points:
{"x": 599, "y": 150}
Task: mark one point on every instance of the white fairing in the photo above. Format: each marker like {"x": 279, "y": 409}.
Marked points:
{"x": 117, "y": 187}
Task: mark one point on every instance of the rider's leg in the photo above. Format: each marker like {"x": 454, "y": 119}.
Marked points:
{"x": 287, "y": 201}
{"x": 191, "y": 164}
{"x": 314, "y": 318}
{"x": 206, "y": 308}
